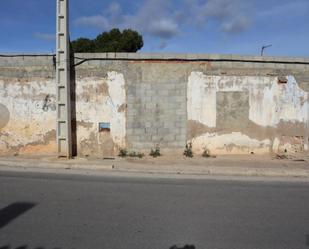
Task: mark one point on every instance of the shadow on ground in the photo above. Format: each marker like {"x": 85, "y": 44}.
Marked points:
{"x": 185, "y": 247}
{"x": 24, "y": 247}
{"x": 14, "y": 210}
{"x": 39, "y": 247}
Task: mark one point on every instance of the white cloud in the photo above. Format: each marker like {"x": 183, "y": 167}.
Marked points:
{"x": 233, "y": 16}
{"x": 151, "y": 18}
{"x": 236, "y": 25}
{"x": 165, "y": 19}
{"x": 97, "y": 21}
{"x": 163, "y": 28}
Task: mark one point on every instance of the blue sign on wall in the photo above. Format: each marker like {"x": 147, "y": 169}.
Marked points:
{"x": 104, "y": 126}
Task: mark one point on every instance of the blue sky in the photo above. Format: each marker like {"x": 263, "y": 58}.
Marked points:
{"x": 185, "y": 26}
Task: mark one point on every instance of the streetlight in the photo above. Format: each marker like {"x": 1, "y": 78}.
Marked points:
{"x": 263, "y": 48}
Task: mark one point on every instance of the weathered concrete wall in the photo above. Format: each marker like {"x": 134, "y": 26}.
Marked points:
{"x": 227, "y": 104}
{"x": 246, "y": 113}
{"x": 27, "y": 106}
{"x": 101, "y": 100}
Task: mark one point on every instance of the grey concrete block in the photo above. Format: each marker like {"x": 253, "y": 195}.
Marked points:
{"x": 150, "y": 130}
{"x": 129, "y": 131}
{"x": 164, "y": 131}
{"x": 157, "y": 138}
{"x": 111, "y": 55}
{"x": 121, "y": 55}
{"x": 174, "y": 56}
{"x": 169, "y": 138}
{"x": 176, "y": 144}
{"x": 181, "y": 137}
{"x": 140, "y": 131}
{"x": 169, "y": 125}
{"x": 146, "y": 56}
{"x": 181, "y": 112}
{"x": 179, "y": 124}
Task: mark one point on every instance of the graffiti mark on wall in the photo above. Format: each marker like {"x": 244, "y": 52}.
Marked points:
{"x": 48, "y": 104}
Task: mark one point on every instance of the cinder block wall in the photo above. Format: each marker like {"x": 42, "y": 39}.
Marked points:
{"x": 223, "y": 103}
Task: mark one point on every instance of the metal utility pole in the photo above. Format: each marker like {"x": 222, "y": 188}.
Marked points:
{"x": 64, "y": 137}
{"x": 263, "y": 48}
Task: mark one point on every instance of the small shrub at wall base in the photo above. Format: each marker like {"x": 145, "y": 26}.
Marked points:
{"x": 136, "y": 154}
{"x": 155, "y": 152}
{"x": 123, "y": 153}
{"x": 188, "y": 150}
{"x": 206, "y": 153}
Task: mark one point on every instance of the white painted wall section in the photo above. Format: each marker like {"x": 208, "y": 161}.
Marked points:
{"x": 278, "y": 102}
{"x": 270, "y": 102}
{"x": 117, "y": 98}
{"x": 233, "y": 143}
{"x": 201, "y": 105}
{"x": 94, "y": 106}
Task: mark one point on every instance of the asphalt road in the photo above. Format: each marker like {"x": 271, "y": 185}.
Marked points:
{"x": 43, "y": 211}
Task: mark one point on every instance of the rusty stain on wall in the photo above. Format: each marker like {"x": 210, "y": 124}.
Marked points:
{"x": 122, "y": 108}
{"x": 91, "y": 91}
{"x": 84, "y": 124}
{"x": 46, "y": 145}
{"x": 195, "y": 129}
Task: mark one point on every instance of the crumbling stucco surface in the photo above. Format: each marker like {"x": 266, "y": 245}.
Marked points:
{"x": 28, "y": 116}
{"x": 229, "y": 104}
{"x": 101, "y": 100}
{"x": 233, "y": 108}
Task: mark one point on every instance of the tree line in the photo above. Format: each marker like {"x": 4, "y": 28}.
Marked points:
{"x": 114, "y": 40}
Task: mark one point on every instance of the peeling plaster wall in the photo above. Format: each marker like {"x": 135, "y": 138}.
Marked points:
{"x": 101, "y": 100}
{"x": 28, "y": 116}
{"x": 27, "y": 105}
{"x": 231, "y": 143}
{"x": 273, "y": 107}
{"x": 229, "y": 104}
